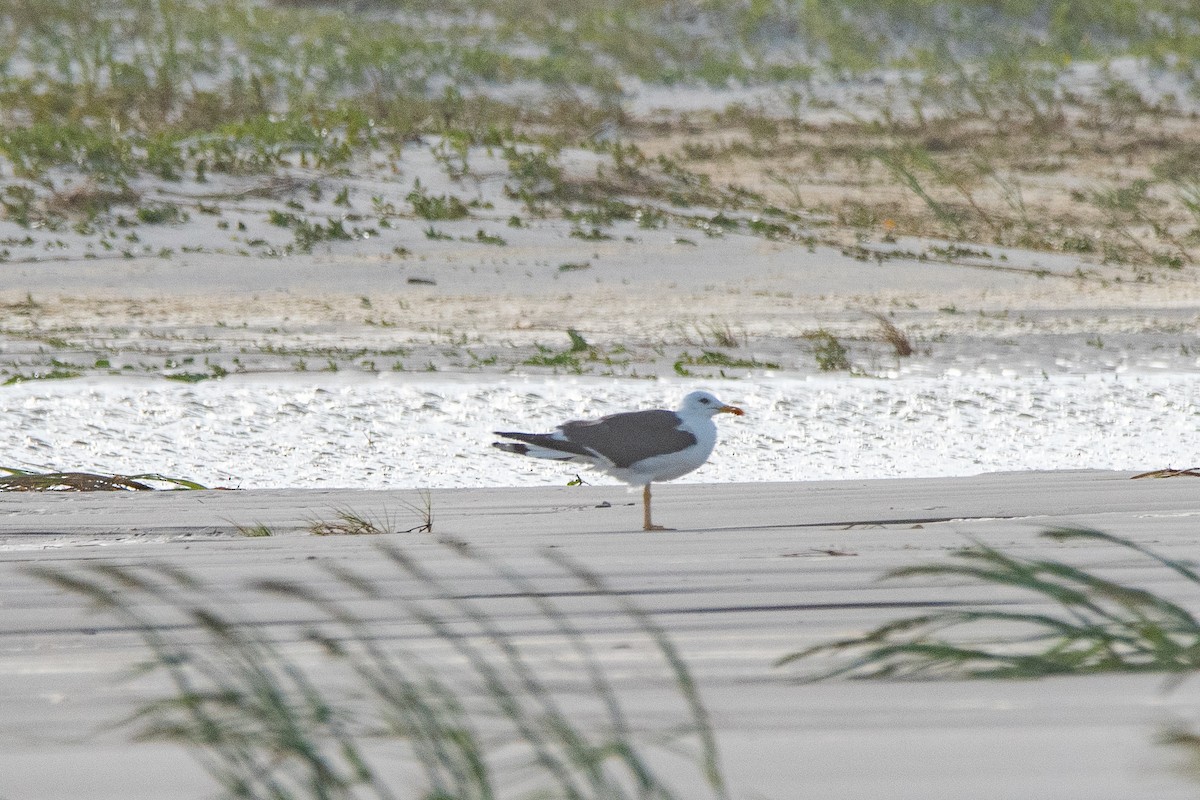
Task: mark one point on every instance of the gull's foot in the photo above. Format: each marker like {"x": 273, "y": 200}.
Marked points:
{"x": 656, "y": 528}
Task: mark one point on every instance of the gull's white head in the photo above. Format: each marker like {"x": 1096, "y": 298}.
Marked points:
{"x": 705, "y": 404}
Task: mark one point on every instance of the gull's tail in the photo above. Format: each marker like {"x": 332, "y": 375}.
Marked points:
{"x": 543, "y": 445}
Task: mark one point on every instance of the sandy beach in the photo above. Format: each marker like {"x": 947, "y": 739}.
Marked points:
{"x": 310, "y": 256}
{"x": 753, "y": 571}
{"x": 1015, "y": 370}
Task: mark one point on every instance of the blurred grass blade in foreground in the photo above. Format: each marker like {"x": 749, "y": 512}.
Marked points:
{"x": 1094, "y": 624}
{"x": 488, "y": 694}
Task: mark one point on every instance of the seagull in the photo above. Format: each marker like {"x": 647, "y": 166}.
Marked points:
{"x": 637, "y": 447}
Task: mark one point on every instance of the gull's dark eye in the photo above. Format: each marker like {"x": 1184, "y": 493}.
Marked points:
{"x": 704, "y": 400}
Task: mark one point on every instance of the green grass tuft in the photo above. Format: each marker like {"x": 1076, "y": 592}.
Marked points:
{"x": 1095, "y": 625}
{"x": 830, "y": 353}
{"x": 257, "y": 530}
{"x": 348, "y": 522}
{"x": 444, "y": 207}
{"x": 715, "y": 358}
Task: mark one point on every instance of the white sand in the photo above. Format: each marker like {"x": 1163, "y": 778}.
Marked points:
{"x": 395, "y": 431}
{"x": 754, "y": 571}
